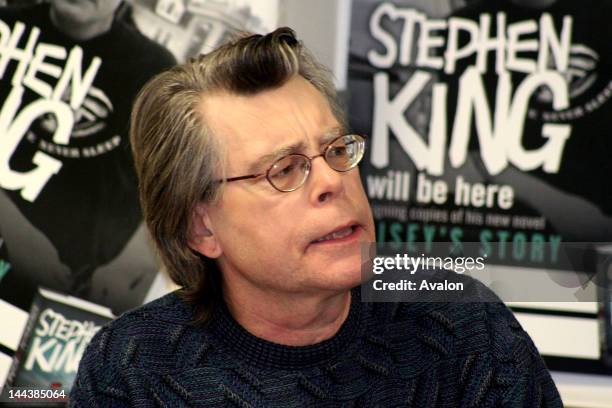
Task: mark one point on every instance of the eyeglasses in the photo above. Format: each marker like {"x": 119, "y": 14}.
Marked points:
{"x": 291, "y": 172}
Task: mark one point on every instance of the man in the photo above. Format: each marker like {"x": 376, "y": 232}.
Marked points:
{"x": 68, "y": 197}
{"x": 250, "y": 189}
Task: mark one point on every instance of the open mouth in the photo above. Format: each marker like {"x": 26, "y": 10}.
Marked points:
{"x": 342, "y": 234}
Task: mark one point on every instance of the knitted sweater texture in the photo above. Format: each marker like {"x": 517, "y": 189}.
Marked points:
{"x": 384, "y": 355}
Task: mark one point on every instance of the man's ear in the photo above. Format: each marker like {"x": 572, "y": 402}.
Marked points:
{"x": 201, "y": 236}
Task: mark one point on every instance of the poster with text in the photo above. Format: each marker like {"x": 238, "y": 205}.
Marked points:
{"x": 70, "y": 219}
{"x": 488, "y": 122}
{"x": 69, "y": 214}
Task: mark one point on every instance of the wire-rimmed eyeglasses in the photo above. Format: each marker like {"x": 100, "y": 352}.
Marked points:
{"x": 291, "y": 172}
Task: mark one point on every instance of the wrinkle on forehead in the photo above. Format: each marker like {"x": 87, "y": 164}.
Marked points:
{"x": 255, "y": 125}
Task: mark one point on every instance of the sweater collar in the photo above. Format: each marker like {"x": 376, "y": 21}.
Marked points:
{"x": 262, "y": 353}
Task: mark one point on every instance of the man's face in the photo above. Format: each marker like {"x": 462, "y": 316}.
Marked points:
{"x": 85, "y": 11}
{"x": 267, "y": 237}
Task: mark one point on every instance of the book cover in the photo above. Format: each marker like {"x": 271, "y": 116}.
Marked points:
{"x": 57, "y": 333}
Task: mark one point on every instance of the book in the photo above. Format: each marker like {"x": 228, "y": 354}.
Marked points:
{"x": 58, "y": 330}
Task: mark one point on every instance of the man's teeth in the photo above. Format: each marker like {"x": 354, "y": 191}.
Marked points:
{"x": 337, "y": 235}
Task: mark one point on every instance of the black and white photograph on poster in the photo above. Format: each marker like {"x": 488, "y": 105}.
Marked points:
{"x": 70, "y": 220}
{"x": 69, "y": 214}
{"x": 191, "y": 27}
{"x": 488, "y": 121}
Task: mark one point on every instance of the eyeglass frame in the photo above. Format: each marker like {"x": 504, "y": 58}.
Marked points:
{"x": 309, "y": 160}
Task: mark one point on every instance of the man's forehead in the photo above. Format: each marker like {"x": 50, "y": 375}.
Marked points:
{"x": 293, "y": 113}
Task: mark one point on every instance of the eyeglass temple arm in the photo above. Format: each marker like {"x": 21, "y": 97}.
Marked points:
{"x": 250, "y": 176}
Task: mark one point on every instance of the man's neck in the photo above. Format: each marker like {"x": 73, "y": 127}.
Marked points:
{"x": 79, "y": 31}
{"x": 292, "y": 320}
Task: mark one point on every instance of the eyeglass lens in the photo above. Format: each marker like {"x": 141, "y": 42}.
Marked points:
{"x": 290, "y": 172}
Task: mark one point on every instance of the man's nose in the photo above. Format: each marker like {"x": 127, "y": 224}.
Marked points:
{"x": 324, "y": 182}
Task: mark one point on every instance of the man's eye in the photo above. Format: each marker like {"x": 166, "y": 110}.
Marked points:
{"x": 337, "y": 151}
{"x": 284, "y": 171}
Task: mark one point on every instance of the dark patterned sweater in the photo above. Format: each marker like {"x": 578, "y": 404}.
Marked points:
{"x": 384, "y": 355}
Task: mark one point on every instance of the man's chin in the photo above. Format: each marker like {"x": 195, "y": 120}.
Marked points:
{"x": 344, "y": 280}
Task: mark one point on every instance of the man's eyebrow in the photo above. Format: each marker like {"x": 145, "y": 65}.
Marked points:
{"x": 331, "y": 134}
{"x": 270, "y": 158}
{"x": 299, "y": 147}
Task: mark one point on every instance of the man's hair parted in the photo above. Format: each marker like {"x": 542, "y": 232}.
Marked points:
{"x": 178, "y": 160}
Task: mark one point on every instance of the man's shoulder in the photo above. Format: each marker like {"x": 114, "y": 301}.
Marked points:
{"x": 473, "y": 320}
{"x": 479, "y": 338}
{"x": 169, "y": 311}
{"x": 169, "y": 307}
{"x": 137, "y": 355}
{"x": 150, "y": 336}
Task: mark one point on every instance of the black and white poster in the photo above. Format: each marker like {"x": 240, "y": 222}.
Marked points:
{"x": 69, "y": 214}
{"x": 70, "y": 220}
{"x": 488, "y": 122}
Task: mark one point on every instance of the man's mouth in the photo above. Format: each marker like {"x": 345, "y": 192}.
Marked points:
{"x": 338, "y": 234}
